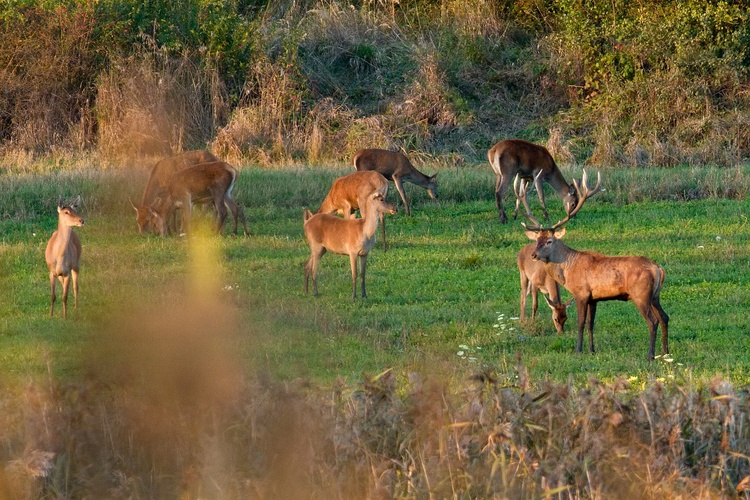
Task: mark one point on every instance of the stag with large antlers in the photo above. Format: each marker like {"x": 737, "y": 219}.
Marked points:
{"x": 515, "y": 157}
{"x": 592, "y": 277}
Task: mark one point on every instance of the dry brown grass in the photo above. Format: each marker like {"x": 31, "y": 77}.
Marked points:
{"x": 154, "y": 104}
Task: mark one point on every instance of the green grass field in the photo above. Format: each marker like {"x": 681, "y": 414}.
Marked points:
{"x": 444, "y": 296}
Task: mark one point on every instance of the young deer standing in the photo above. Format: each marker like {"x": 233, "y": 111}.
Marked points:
{"x": 350, "y": 192}
{"x": 352, "y": 237}
{"x": 513, "y": 157}
{"x": 63, "y": 254}
{"x": 205, "y": 182}
{"x": 395, "y": 167}
{"x": 534, "y": 279}
{"x": 592, "y": 277}
{"x": 158, "y": 181}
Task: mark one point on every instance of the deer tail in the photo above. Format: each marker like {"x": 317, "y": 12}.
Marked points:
{"x": 659, "y": 277}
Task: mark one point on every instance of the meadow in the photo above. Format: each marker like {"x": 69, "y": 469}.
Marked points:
{"x": 188, "y": 315}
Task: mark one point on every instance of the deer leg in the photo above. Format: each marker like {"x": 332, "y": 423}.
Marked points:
{"x": 221, "y": 215}
{"x": 74, "y": 276}
{"x": 524, "y": 293}
{"x": 582, "y": 309}
{"x": 501, "y": 184}
{"x": 400, "y": 188}
{"x": 65, "y": 284}
{"x": 312, "y": 267}
{"x": 590, "y": 318}
{"x": 650, "y": 315}
{"x": 53, "y": 284}
{"x": 664, "y": 321}
{"x": 534, "y": 301}
{"x": 237, "y": 212}
{"x": 362, "y": 268}
{"x": 540, "y": 194}
{"x": 353, "y": 265}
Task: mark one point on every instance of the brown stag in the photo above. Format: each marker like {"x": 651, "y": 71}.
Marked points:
{"x": 350, "y": 192}
{"x": 534, "y": 279}
{"x": 63, "y": 254}
{"x": 352, "y": 237}
{"x": 395, "y": 167}
{"x": 592, "y": 277}
{"x": 530, "y": 161}
{"x": 208, "y": 182}
{"x": 158, "y": 180}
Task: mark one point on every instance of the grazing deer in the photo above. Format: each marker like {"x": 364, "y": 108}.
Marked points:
{"x": 350, "y": 192}
{"x": 208, "y": 182}
{"x": 158, "y": 180}
{"x": 534, "y": 279}
{"x": 395, "y": 167}
{"x": 352, "y": 237}
{"x": 513, "y": 157}
{"x": 63, "y": 254}
{"x": 592, "y": 277}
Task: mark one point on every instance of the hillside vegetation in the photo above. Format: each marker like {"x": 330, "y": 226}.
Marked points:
{"x": 608, "y": 82}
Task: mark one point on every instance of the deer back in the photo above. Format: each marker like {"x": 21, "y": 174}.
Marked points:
{"x": 163, "y": 170}
{"x": 203, "y": 180}
{"x": 352, "y": 190}
{"x": 602, "y": 277}
{"x": 385, "y": 162}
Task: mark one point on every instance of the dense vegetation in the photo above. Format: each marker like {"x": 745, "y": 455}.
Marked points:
{"x": 610, "y": 82}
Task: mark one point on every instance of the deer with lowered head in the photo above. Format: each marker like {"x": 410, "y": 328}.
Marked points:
{"x": 352, "y": 237}
{"x": 534, "y": 279}
{"x": 395, "y": 167}
{"x": 349, "y": 193}
{"x": 516, "y": 157}
{"x": 208, "y": 182}
{"x": 158, "y": 181}
{"x": 592, "y": 277}
{"x": 63, "y": 254}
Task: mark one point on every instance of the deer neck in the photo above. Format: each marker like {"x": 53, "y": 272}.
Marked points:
{"x": 558, "y": 183}
{"x": 560, "y": 262}
{"x": 418, "y": 178}
{"x": 370, "y": 222}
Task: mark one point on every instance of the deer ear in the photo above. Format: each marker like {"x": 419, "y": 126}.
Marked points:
{"x": 532, "y": 235}
{"x": 567, "y": 304}
{"x": 560, "y": 233}
{"x": 74, "y": 204}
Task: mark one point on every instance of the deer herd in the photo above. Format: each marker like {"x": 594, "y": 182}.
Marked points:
{"x": 545, "y": 265}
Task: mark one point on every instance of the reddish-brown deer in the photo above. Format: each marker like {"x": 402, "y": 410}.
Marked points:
{"x": 349, "y": 193}
{"x": 395, "y": 167}
{"x": 534, "y": 279}
{"x": 158, "y": 180}
{"x": 208, "y": 182}
{"x": 592, "y": 277}
{"x": 63, "y": 254}
{"x": 352, "y": 237}
{"x": 530, "y": 161}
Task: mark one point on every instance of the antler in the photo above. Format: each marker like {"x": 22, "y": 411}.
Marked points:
{"x": 583, "y": 191}
{"x": 583, "y": 194}
{"x": 519, "y": 188}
